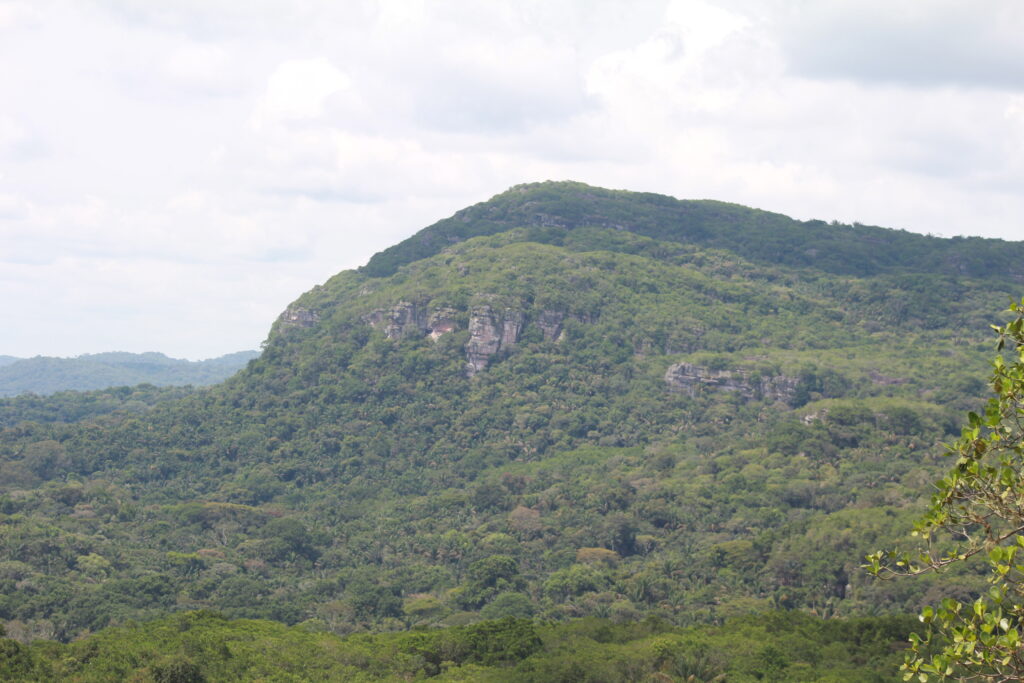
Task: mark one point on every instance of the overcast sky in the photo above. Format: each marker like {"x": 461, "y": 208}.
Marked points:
{"x": 173, "y": 174}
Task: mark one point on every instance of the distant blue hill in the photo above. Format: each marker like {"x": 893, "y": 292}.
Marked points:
{"x": 46, "y": 375}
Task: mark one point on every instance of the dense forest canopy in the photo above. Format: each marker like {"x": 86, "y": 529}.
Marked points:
{"x": 204, "y": 646}
{"x": 565, "y": 402}
{"x": 45, "y": 375}
{"x": 552, "y": 209}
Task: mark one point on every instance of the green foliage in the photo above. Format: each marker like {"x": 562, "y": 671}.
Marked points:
{"x": 42, "y": 375}
{"x": 355, "y": 479}
{"x": 487, "y": 578}
{"x": 75, "y": 406}
{"x": 203, "y": 646}
{"x": 554, "y": 213}
{"x": 976, "y": 511}
{"x": 517, "y": 605}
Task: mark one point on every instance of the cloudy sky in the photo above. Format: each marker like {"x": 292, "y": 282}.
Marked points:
{"x": 173, "y": 173}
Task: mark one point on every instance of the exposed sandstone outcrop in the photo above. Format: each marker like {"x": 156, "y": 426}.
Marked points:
{"x": 550, "y": 324}
{"x": 442, "y": 321}
{"x": 489, "y": 333}
{"x": 404, "y": 319}
{"x": 694, "y": 379}
{"x": 484, "y": 339}
{"x": 297, "y": 316}
{"x": 511, "y": 327}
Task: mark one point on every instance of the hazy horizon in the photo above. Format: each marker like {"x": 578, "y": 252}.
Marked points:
{"x": 172, "y": 176}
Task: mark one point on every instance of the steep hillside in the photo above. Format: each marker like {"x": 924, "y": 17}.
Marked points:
{"x": 45, "y": 375}
{"x": 600, "y": 424}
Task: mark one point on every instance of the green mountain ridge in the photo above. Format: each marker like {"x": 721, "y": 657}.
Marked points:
{"x": 552, "y": 209}
{"x": 533, "y": 422}
{"x": 46, "y": 375}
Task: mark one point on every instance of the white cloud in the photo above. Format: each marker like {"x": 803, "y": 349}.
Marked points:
{"x": 941, "y": 42}
{"x": 17, "y": 143}
{"x": 701, "y": 25}
{"x": 298, "y": 90}
{"x": 11, "y": 133}
{"x": 203, "y": 68}
{"x": 13, "y": 208}
{"x": 188, "y": 168}
{"x": 16, "y": 14}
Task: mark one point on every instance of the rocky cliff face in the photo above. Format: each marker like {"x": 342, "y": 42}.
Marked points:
{"x": 404, "y": 319}
{"x": 490, "y": 330}
{"x": 297, "y": 316}
{"x": 442, "y": 321}
{"x": 511, "y": 326}
{"x": 694, "y": 379}
{"x": 489, "y": 333}
{"x": 550, "y": 324}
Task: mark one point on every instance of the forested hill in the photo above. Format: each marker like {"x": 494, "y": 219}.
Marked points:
{"x": 604, "y": 424}
{"x": 47, "y": 375}
{"x": 551, "y": 209}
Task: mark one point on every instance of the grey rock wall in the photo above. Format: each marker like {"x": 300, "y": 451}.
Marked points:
{"x": 694, "y": 379}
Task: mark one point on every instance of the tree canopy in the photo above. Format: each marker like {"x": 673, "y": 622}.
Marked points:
{"x": 653, "y": 428}
{"x": 977, "y": 511}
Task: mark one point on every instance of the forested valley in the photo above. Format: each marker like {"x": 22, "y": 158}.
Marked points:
{"x": 568, "y": 434}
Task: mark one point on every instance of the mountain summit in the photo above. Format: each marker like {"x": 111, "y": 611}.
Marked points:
{"x": 552, "y": 209}
{"x": 563, "y": 401}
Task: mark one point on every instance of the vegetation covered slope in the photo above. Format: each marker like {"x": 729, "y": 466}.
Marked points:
{"x": 202, "y": 646}
{"x": 80, "y": 406}
{"x": 550, "y": 209}
{"x": 45, "y": 375}
{"x": 601, "y": 424}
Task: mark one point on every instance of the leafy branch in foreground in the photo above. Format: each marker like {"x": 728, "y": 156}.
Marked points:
{"x": 978, "y": 509}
